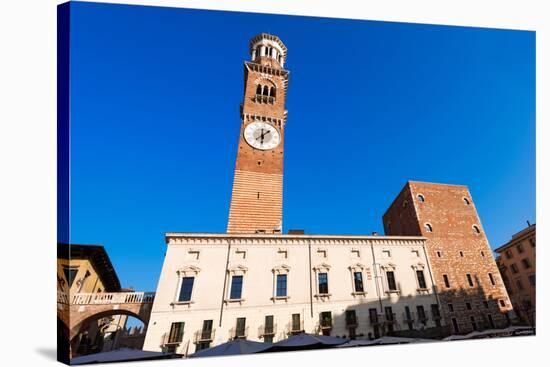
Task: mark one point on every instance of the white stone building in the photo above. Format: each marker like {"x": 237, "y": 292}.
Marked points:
{"x": 216, "y": 287}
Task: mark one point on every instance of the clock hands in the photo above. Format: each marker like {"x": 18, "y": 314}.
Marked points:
{"x": 262, "y": 135}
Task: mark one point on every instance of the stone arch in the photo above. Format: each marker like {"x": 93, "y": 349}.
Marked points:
{"x": 78, "y": 323}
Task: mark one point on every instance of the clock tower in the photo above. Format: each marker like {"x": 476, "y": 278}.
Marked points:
{"x": 257, "y": 198}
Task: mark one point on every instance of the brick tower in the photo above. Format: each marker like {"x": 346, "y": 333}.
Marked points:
{"x": 257, "y": 198}
{"x": 471, "y": 292}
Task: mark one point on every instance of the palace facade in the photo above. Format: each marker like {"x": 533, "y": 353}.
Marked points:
{"x": 518, "y": 267}
{"x": 432, "y": 274}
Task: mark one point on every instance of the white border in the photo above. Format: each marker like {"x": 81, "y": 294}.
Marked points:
{"x": 27, "y": 188}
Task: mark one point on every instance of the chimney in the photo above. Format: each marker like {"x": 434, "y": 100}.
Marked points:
{"x": 528, "y": 224}
{"x": 295, "y": 231}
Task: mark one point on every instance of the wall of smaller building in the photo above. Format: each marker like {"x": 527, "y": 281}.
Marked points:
{"x": 517, "y": 264}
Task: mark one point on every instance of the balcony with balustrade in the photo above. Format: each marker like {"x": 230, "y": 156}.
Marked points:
{"x": 112, "y": 298}
{"x": 173, "y": 346}
{"x": 203, "y": 336}
{"x": 238, "y": 333}
{"x": 267, "y": 330}
{"x": 294, "y": 328}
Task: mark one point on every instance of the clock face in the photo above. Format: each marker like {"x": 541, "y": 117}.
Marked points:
{"x": 262, "y": 136}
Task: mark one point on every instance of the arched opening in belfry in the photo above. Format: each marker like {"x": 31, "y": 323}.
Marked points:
{"x": 272, "y": 92}
{"x": 266, "y": 90}
{"x": 259, "y": 89}
{"x": 107, "y": 331}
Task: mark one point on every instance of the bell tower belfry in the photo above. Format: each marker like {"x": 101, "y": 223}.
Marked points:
{"x": 257, "y": 197}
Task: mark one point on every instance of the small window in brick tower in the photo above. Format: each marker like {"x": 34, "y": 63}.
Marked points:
{"x": 446, "y": 280}
{"x": 466, "y": 201}
{"x": 428, "y": 227}
{"x": 470, "y": 281}
{"x": 492, "y": 279}
{"x": 421, "y": 198}
{"x": 476, "y": 229}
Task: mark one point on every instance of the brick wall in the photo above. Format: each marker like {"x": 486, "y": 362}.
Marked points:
{"x": 455, "y": 249}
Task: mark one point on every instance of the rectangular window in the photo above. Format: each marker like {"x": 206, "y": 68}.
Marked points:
{"x": 389, "y": 313}
{"x": 409, "y": 318}
{"x": 358, "y": 281}
{"x": 206, "y": 333}
{"x": 473, "y": 322}
{"x": 421, "y": 313}
{"x": 268, "y": 328}
{"x": 532, "y": 242}
{"x": 491, "y": 322}
{"x": 514, "y": 268}
{"x": 186, "y": 289}
{"x": 296, "y": 324}
{"x": 391, "y": 281}
{"x": 281, "y": 285}
{"x": 435, "y": 310}
{"x": 421, "y": 279}
{"x": 436, "y": 315}
{"x": 451, "y": 307}
{"x": 236, "y": 287}
{"x": 492, "y": 279}
{"x": 526, "y": 263}
{"x": 532, "y": 280}
{"x": 323, "y": 283}
{"x": 455, "y": 325}
{"x": 240, "y": 330}
{"x": 389, "y": 318}
{"x": 326, "y": 319}
{"x": 373, "y": 316}
{"x": 446, "y": 280}
{"x": 485, "y": 304}
{"x": 470, "y": 281}
{"x": 508, "y": 254}
{"x": 519, "y": 284}
{"x": 351, "y": 318}
{"x": 468, "y": 306}
{"x": 176, "y": 332}
{"x": 520, "y": 248}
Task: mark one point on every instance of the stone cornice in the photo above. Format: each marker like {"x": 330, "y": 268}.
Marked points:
{"x": 197, "y": 239}
{"x": 263, "y": 69}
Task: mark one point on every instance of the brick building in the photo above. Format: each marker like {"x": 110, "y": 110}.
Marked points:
{"x": 517, "y": 265}
{"x": 470, "y": 289}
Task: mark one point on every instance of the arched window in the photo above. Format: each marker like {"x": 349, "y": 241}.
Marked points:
{"x": 428, "y": 227}
{"x": 420, "y": 198}
{"x": 476, "y": 229}
{"x": 466, "y": 201}
{"x": 259, "y": 89}
{"x": 266, "y": 90}
{"x": 272, "y": 92}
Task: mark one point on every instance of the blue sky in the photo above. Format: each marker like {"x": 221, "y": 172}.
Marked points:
{"x": 155, "y": 96}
